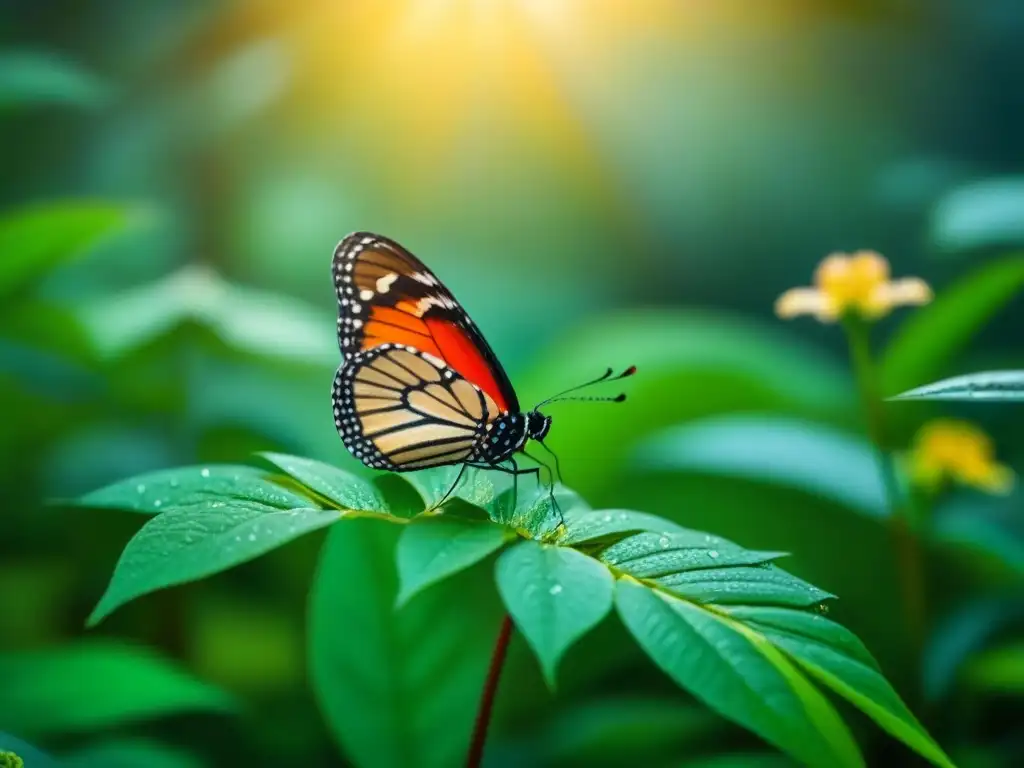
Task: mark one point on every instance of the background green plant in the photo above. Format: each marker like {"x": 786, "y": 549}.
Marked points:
{"x": 175, "y": 178}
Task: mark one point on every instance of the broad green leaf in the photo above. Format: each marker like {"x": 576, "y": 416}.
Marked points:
{"x": 339, "y": 487}
{"x": 738, "y": 673}
{"x": 397, "y": 688}
{"x": 626, "y": 731}
{"x": 259, "y": 323}
{"x": 474, "y": 486}
{"x": 651, "y": 555}
{"x": 47, "y": 326}
{"x": 984, "y": 213}
{"x": 838, "y": 659}
{"x": 555, "y": 595}
{"x": 131, "y": 753}
{"x": 433, "y": 548}
{"x": 690, "y": 365}
{"x": 188, "y": 542}
{"x": 37, "y": 239}
{"x": 96, "y": 685}
{"x": 530, "y": 508}
{"x": 11, "y": 746}
{"x": 588, "y": 525}
{"x": 813, "y": 458}
{"x": 998, "y": 670}
{"x": 167, "y": 489}
{"x": 34, "y": 78}
{"x": 932, "y": 337}
{"x": 763, "y": 584}
{"x": 987, "y": 385}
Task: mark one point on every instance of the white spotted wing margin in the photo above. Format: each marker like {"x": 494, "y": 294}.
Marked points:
{"x": 400, "y": 409}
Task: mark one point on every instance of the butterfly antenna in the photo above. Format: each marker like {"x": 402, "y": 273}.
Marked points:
{"x": 606, "y": 376}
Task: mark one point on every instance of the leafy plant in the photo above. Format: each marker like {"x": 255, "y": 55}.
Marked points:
{"x": 725, "y": 623}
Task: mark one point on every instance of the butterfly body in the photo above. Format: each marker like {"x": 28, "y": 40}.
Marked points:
{"x": 418, "y": 386}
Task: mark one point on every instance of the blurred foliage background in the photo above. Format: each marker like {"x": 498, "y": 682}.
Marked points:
{"x": 600, "y": 183}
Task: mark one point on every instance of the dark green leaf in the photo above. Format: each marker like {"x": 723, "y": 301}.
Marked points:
{"x": 29, "y": 79}
{"x": 131, "y": 753}
{"x": 35, "y": 240}
{"x": 93, "y": 686}
{"x": 838, "y": 659}
{"x": 167, "y": 489}
{"x": 810, "y": 457}
{"x": 998, "y": 670}
{"x": 397, "y": 688}
{"x": 737, "y": 673}
{"x": 188, "y": 542}
{"x": 433, "y": 485}
{"x": 339, "y": 487}
{"x": 433, "y": 548}
{"x": 766, "y": 585}
{"x": 588, "y": 525}
{"x": 649, "y": 555}
{"x": 931, "y": 338}
{"x": 555, "y": 595}
{"x": 986, "y": 385}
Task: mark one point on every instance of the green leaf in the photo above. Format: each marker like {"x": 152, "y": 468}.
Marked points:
{"x": 983, "y": 213}
{"x": 588, "y": 525}
{"x": 29, "y": 78}
{"x": 474, "y": 486}
{"x": 189, "y": 541}
{"x": 96, "y": 685}
{"x": 179, "y": 487}
{"x": 650, "y": 555}
{"x": 433, "y": 548}
{"x": 838, "y": 659}
{"x": 555, "y": 595}
{"x": 37, "y": 239}
{"x": 931, "y": 338}
{"x": 998, "y": 670}
{"x": 810, "y": 457}
{"x": 397, "y": 688}
{"x": 341, "y": 488}
{"x": 131, "y": 753}
{"x": 765, "y": 584}
{"x": 259, "y": 323}
{"x": 987, "y": 385}
{"x": 12, "y": 747}
{"x": 47, "y": 326}
{"x": 738, "y": 673}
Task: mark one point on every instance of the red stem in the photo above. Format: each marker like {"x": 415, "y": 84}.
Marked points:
{"x": 483, "y": 715}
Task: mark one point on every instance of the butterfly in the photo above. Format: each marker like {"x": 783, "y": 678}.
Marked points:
{"x": 419, "y": 386}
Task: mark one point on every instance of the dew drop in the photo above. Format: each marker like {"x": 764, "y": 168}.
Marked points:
{"x": 175, "y": 482}
{"x": 608, "y": 518}
{"x": 205, "y": 472}
{"x": 664, "y": 542}
{"x": 140, "y": 488}
{"x": 623, "y": 515}
{"x": 157, "y": 503}
{"x": 555, "y": 589}
{"x": 252, "y": 537}
{"x": 713, "y": 554}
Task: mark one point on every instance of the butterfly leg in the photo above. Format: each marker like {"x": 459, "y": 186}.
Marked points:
{"x": 551, "y": 487}
{"x": 455, "y": 485}
{"x": 515, "y": 471}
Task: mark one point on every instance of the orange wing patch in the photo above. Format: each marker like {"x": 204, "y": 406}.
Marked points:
{"x": 461, "y": 354}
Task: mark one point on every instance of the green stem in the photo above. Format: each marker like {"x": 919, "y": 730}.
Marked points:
{"x": 902, "y": 523}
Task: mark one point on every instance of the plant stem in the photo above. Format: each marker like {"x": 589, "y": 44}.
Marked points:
{"x": 483, "y": 715}
{"x": 902, "y": 525}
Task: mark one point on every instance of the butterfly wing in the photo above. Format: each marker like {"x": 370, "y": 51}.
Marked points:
{"x": 388, "y": 296}
{"x": 400, "y": 409}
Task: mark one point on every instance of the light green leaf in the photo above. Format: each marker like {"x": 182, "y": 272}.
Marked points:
{"x": 587, "y": 525}
{"x": 838, "y": 659}
{"x": 555, "y": 595}
{"x": 188, "y": 542}
{"x": 738, "y": 673}
{"x": 94, "y": 686}
{"x": 131, "y": 753}
{"x": 166, "y": 489}
{"x": 765, "y": 584}
{"x": 32, "y": 78}
{"x": 987, "y": 385}
{"x": 998, "y": 670}
{"x": 650, "y": 555}
{"x": 474, "y": 486}
{"x": 339, "y": 487}
{"x": 932, "y": 337}
{"x": 397, "y": 688}
{"x": 37, "y": 239}
{"x": 254, "y": 322}
{"x": 433, "y": 548}
{"x": 534, "y": 511}
{"x": 813, "y": 458}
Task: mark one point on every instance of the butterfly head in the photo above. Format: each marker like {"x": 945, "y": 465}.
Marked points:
{"x": 537, "y": 425}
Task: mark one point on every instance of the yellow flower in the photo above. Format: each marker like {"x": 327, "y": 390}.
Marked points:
{"x": 852, "y": 283}
{"x": 957, "y": 450}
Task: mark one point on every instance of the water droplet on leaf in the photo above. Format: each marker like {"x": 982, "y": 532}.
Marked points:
{"x": 713, "y": 553}
{"x": 205, "y": 472}
{"x": 555, "y": 589}
{"x": 140, "y": 488}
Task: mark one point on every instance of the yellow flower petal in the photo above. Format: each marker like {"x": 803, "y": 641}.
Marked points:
{"x": 804, "y": 301}
{"x": 905, "y": 292}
